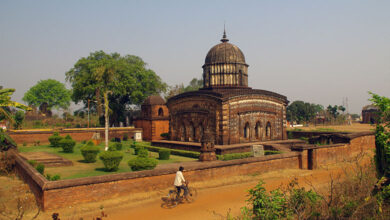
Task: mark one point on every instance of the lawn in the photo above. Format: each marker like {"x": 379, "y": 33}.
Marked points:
{"x": 82, "y": 169}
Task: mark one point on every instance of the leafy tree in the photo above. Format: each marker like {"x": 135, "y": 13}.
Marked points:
{"x": 122, "y": 80}
{"x": 382, "y": 136}
{"x": 300, "y": 111}
{"x": 132, "y": 81}
{"x": 48, "y": 92}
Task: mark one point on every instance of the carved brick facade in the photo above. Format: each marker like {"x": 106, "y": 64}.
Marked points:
{"x": 226, "y": 106}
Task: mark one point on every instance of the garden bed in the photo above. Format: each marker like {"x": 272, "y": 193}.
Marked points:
{"x": 82, "y": 169}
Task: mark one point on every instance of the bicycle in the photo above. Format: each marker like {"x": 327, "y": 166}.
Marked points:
{"x": 173, "y": 198}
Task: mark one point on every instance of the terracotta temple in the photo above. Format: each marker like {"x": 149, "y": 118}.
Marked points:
{"x": 226, "y": 107}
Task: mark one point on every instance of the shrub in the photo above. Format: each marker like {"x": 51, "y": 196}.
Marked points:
{"x": 133, "y": 145}
{"x": 67, "y": 144}
{"x": 53, "y": 178}
{"x": 164, "y": 154}
{"x": 125, "y": 137}
{"x": 89, "y": 152}
{"x": 111, "y": 159}
{"x": 137, "y": 148}
{"x": 33, "y": 163}
{"x": 143, "y": 152}
{"x": 142, "y": 163}
{"x": 55, "y": 140}
{"x": 24, "y": 144}
{"x": 118, "y": 146}
{"x": 40, "y": 168}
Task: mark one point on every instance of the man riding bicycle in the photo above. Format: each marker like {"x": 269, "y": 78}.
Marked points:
{"x": 180, "y": 182}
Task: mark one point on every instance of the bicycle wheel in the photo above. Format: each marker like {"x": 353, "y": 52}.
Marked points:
{"x": 192, "y": 194}
{"x": 170, "y": 201}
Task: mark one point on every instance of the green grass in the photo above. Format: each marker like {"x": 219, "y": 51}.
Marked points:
{"x": 82, "y": 169}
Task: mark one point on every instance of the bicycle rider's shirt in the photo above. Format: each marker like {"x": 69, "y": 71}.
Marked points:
{"x": 179, "y": 179}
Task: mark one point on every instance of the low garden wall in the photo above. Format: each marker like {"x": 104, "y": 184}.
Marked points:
{"x": 56, "y": 194}
{"x": 82, "y": 134}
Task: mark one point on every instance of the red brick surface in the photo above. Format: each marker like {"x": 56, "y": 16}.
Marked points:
{"x": 30, "y": 137}
{"x": 52, "y": 195}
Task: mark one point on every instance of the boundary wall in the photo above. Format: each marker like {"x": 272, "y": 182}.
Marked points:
{"x": 56, "y": 194}
{"x": 78, "y": 134}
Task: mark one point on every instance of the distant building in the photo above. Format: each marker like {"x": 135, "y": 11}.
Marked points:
{"x": 370, "y": 114}
{"x": 154, "y": 118}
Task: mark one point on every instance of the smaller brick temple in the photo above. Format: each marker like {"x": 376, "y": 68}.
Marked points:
{"x": 154, "y": 118}
{"x": 370, "y": 114}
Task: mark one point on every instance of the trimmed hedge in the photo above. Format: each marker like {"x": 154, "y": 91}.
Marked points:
{"x": 142, "y": 163}
{"x": 184, "y": 153}
{"x": 55, "y": 140}
{"x": 164, "y": 154}
{"x": 118, "y": 145}
{"x": 111, "y": 159}
{"x": 142, "y": 152}
{"x": 89, "y": 152}
{"x": 271, "y": 152}
{"x": 235, "y": 156}
{"x": 67, "y": 144}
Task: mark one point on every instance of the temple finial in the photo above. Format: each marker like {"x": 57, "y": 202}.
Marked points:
{"x": 224, "y": 38}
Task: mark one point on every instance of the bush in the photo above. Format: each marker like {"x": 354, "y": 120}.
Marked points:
{"x": 67, "y": 144}
{"x": 55, "y": 140}
{"x": 53, "y": 178}
{"x": 143, "y": 153}
{"x": 118, "y": 146}
{"x": 111, "y": 159}
{"x": 40, "y": 168}
{"x": 125, "y": 137}
{"x": 137, "y": 148}
{"x": 142, "y": 163}
{"x": 164, "y": 154}
{"x": 89, "y": 152}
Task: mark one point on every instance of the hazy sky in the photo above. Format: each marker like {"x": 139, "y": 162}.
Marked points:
{"x": 315, "y": 51}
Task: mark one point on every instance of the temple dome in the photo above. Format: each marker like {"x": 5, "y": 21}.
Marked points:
{"x": 225, "y": 66}
{"x": 154, "y": 100}
{"x": 225, "y": 53}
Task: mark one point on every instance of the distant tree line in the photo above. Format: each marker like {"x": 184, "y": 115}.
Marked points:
{"x": 301, "y": 112}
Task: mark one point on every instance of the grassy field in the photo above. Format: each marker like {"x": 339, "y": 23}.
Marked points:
{"x": 82, "y": 169}
{"x": 355, "y": 127}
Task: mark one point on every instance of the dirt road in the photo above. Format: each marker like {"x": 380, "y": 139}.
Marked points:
{"x": 215, "y": 202}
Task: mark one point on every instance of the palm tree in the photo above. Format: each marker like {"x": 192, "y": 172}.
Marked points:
{"x": 5, "y": 101}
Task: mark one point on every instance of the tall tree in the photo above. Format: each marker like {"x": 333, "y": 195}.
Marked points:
{"x": 122, "y": 80}
{"x": 50, "y": 93}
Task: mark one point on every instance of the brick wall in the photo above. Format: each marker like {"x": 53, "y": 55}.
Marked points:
{"x": 30, "y": 137}
{"x": 56, "y": 194}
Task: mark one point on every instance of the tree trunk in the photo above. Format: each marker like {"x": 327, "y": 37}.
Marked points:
{"x": 99, "y": 102}
{"x": 106, "y": 119}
